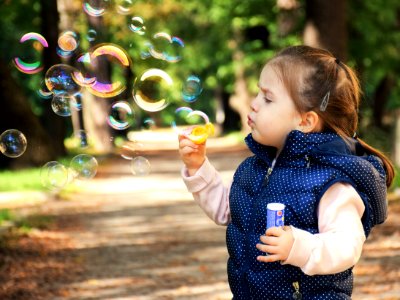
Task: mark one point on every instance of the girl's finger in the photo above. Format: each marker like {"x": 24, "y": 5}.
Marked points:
{"x": 268, "y": 240}
{"x": 267, "y": 248}
{"x": 274, "y": 231}
{"x": 268, "y": 258}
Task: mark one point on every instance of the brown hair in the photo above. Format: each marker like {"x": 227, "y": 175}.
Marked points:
{"x": 310, "y": 74}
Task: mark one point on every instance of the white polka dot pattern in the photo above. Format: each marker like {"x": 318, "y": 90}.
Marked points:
{"x": 307, "y": 166}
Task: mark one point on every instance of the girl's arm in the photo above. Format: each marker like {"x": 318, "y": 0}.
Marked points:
{"x": 339, "y": 243}
{"x": 209, "y": 192}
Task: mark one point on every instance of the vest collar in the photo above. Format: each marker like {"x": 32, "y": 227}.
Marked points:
{"x": 299, "y": 145}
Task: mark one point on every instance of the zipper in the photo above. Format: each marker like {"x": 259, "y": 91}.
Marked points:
{"x": 296, "y": 295}
{"x": 269, "y": 171}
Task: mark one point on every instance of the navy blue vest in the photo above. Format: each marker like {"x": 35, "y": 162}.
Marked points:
{"x": 307, "y": 166}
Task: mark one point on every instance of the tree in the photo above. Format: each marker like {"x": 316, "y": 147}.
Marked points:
{"x": 326, "y": 26}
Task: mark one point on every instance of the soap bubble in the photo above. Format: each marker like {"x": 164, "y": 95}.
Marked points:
{"x": 79, "y": 139}
{"x": 166, "y": 47}
{"x": 191, "y": 88}
{"x": 53, "y": 175}
{"x": 13, "y": 143}
{"x": 84, "y": 74}
{"x": 30, "y": 65}
{"x": 62, "y": 103}
{"x": 121, "y": 116}
{"x": 140, "y": 166}
{"x": 124, "y": 7}
{"x": 180, "y": 118}
{"x": 149, "y": 124}
{"x": 91, "y": 35}
{"x": 59, "y": 80}
{"x": 43, "y": 92}
{"x": 95, "y": 8}
{"x": 174, "y": 54}
{"x": 83, "y": 166}
{"x": 119, "y": 62}
{"x": 136, "y": 25}
{"x": 152, "y": 90}
{"x": 67, "y": 42}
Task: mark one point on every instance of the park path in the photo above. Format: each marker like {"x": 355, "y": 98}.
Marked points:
{"x": 144, "y": 238}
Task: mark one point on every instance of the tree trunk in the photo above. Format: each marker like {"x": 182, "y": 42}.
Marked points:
{"x": 326, "y": 26}
{"x": 96, "y": 109}
{"x": 54, "y": 124}
{"x": 16, "y": 113}
{"x": 381, "y": 97}
{"x": 240, "y": 99}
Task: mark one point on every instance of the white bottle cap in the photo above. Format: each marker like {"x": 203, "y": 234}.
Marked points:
{"x": 276, "y": 206}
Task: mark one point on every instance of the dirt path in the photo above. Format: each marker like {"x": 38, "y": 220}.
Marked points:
{"x": 144, "y": 238}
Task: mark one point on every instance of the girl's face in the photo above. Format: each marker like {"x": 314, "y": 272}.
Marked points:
{"x": 273, "y": 113}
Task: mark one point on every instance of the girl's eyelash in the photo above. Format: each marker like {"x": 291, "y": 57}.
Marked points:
{"x": 267, "y": 100}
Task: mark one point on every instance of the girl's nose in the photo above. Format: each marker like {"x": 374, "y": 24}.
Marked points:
{"x": 253, "y": 104}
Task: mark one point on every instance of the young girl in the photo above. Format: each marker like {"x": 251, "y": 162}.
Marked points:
{"x": 307, "y": 156}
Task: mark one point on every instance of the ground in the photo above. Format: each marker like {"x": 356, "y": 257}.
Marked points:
{"x": 119, "y": 236}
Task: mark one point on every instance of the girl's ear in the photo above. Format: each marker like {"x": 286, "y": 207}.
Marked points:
{"x": 310, "y": 122}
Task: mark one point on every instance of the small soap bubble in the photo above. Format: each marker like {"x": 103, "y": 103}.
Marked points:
{"x": 83, "y": 166}
{"x": 124, "y": 7}
{"x": 68, "y": 41}
{"x": 53, "y": 175}
{"x": 191, "y": 88}
{"x": 122, "y": 116}
{"x": 61, "y": 104}
{"x": 140, "y": 166}
{"x": 95, "y": 8}
{"x": 149, "y": 124}
{"x": 13, "y": 143}
{"x": 152, "y": 90}
{"x": 79, "y": 139}
{"x": 119, "y": 62}
{"x": 91, "y": 35}
{"x": 59, "y": 80}
{"x": 29, "y": 64}
{"x": 43, "y": 91}
{"x": 137, "y": 25}
{"x": 180, "y": 118}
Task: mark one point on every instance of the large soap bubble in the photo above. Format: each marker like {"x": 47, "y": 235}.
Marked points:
{"x": 191, "y": 88}
{"x": 152, "y": 90}
{"x": 59, "y": 80}
{"x": 31, "y": 65}
{"x": 122, "y": 116}
{"x": 13, "y": 143}
{"x": 119, "y": 62}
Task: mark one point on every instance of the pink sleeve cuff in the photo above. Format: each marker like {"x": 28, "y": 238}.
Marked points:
{"x": 302, "y": 247}
{"x": 204, "y": 175}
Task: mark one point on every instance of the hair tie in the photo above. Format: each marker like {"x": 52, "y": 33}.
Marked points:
{"x": 337, "y": 61}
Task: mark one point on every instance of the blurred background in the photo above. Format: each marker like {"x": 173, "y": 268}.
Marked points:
{"x": 99, "y": 89}
{"x": 214, "y": 49}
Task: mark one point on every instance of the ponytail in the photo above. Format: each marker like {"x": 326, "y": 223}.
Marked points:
{"x": 387, "y": 164}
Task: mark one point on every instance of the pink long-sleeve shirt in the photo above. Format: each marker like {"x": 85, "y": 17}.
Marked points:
{"x": 335, "y": 248}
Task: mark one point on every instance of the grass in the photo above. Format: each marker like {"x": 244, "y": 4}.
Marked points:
{"x": 20, "y": 180}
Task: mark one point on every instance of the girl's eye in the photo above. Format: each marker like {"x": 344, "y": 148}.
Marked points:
{"x": 267, "y": 100}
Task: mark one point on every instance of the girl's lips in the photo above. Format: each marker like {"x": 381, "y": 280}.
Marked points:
{"x": 249, "y": 121}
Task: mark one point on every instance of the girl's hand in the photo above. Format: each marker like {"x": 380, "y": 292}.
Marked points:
{"x": 193, "y": 155}
{"x": 277, "y": 242}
